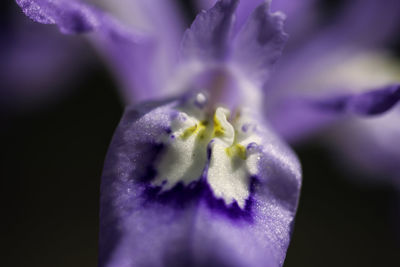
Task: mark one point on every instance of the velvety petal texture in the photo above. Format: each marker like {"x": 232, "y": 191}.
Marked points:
{"x": 188, "y": 225}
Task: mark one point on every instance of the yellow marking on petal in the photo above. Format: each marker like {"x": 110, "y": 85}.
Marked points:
{"x": 236, "y": 150}
{"x": 198, "y": 128}
{"x": 189, "y": 131}
{"x": 218, "y": 129}
{"x": 202, "y": 130}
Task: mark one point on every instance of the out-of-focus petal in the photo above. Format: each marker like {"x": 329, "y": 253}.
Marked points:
{"x": 209, "y": 35}
{"x": 340, "y": 81}
{"x": 298, "y": 117}
{"x": 259, "y": 44}
{"x": 134, "y": 56}
{"x": 368, "y": 145}
{"x": 301, "y": 20}
{"x": 242, "y": 13}
{"x": 291, "y": 8}
{"x": 132, "y": 63}
{"x": 244, "y": 10}
{"x": 367, "y": 22}
{"x": 36, "y": 65}
{"x": 301, "y": 15}
{"x": 345, "y": 36}
{"x": 296, "y": 121}
{"x": 143, "y": 70}
{"x": 204, "y": 4}
{"x": 352, "y": 95}
{"x": 361, "y": 24}
{"x": 369, "y": 103}
{"x": 248, "y": 58}
{"x": 187, "y": 225}
{"x": 73, "y": 17}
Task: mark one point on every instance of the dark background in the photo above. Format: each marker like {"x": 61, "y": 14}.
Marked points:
{"x": 50, "y": 166}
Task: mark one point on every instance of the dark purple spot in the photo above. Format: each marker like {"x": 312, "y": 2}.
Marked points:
{"x": 337, "y": 104}
{"x": 245, "y": 127}
{"x": 373, "y": 102}
{"x": 376, "y": 101}
{"x": 209, "y": 146}
{"x": 252, "y": 146}
{"x": 150, "y": 171}
{"x": 181, "y": 196}
{"x": 74, "y": 21}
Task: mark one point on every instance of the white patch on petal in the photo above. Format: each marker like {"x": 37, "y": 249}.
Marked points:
{"x": 228, "y": 176}
{"x": 223, "y": 130}
{"x": 233, "y": 145}
{"x": 186, "y": 153}
{"x": 233, "y": 163}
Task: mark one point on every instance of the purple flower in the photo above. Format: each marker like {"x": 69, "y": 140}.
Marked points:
{"x": 199, "y": 179}
{"x": 185, "y": 184}
{"x": 195, "y": 176}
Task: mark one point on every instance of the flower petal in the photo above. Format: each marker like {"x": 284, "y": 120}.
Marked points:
{"x": 145, "y": 69}
{"x": 245, "y": 8}
{"x": 369, "y": 103}
{"x": 302, "y": 116}
{"x": 341, "y": 81}
{"x": 301, "y": 19}
{"x": 208, "y": 37}
{"x": 260, "y": 42}
{"x": 365, "y": 142}
{"x": 188, "y": 225}
{"x": 346, "y": 35}
{"x": 134, "y": 56}
{"x": 72, "y": 17}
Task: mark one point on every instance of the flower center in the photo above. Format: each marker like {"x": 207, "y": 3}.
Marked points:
{"x": 203, "y": 144}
